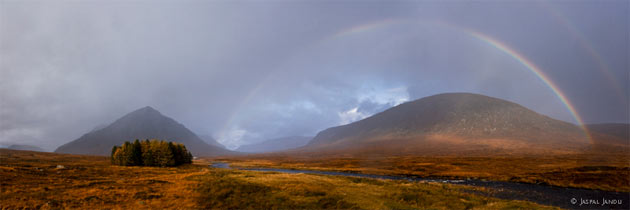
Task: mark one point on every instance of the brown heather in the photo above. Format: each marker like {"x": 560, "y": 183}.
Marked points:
{"x": 33, "y": 180}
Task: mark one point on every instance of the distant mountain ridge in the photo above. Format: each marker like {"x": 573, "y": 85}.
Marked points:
{"x": 25, "y": 147}
{"x": 442, "y": 119}
{"x": 277, "y": 144}
{"x": 144, "y": 123}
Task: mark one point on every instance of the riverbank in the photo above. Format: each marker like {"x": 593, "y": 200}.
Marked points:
{"x": 596, "y": 171}
{"x": 564, "y": 197}
{"x": 270, "y": 189}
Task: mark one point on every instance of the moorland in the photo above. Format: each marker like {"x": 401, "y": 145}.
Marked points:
{"x": 36, "y": 180}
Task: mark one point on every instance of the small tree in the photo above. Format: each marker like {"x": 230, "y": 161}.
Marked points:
{"x": 113, "y": 157}
{"x": 147, "y": 154}
{"x": 117, "y": 158}
{"x": 127, "y": 154}
{"x": 136, "y": 153}
{"x": 186, "y": 155}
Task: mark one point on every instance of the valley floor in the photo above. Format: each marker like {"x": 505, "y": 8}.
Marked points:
{"x": 609, "y": 172}
{"x": 52, "y": 181}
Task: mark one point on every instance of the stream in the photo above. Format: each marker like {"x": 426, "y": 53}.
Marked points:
{"x": 563, "y": 197}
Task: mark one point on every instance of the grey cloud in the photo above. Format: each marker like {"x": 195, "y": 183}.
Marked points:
{"x": 258, "y": 70}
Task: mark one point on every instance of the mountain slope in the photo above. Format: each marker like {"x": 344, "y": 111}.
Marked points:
{"x": 211, "y": 141}
{"x": 278, "y": 144}
{"x": 144, "y": 123}
{"x": 620, "y": 130}
{"x": 610, "y": 133}
{"x": 452, "y": 120}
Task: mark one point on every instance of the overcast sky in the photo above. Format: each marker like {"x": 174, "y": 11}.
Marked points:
{"x": 244, "y": 71}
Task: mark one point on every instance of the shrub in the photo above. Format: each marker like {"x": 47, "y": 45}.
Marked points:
{"x": 150, "y": 153}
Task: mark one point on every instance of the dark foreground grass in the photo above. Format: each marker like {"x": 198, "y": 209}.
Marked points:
{"x": 609, "y": 172}
{"x": 221, "y": 189}
{"x": 233, "y": 189}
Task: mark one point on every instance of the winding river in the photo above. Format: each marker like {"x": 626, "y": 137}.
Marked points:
{"x": 564, "y": 197}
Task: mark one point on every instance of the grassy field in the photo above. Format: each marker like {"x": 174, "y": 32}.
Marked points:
{"x": 271, "y": 190}
{"x": 52, "y": 181}
{"x": 610, "y": 172}
{"x": 33, "y": 180}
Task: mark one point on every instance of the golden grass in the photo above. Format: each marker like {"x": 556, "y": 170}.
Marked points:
{"x": 31, "y": 180}
{"x": 271, "y": 190}
{"x": 590, "y": 171}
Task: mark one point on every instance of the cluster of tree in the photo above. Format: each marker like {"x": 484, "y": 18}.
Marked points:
{"x": 150, "y": 153}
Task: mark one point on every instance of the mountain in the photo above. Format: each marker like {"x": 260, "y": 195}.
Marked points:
{"x": 25, "y": 147}
{"x": 144, "y": 123}
{"x": 610, "y": 133}
{"x": 99, "y": 127}
{"x": 211, "y": 141}
{"x": 278, "y": 144}
{"x": 620, "y": 130}
{"x": 444, "y": 123}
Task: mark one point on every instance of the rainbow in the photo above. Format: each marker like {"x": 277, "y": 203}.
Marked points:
{"x": 485, "y": 39}
{"x": 536, "y": 70}
{"x": 362, "y": 28}
{"x": 232, "y": 118}
{"x": 474, "y": 34}
{"x": 579, "y": 37}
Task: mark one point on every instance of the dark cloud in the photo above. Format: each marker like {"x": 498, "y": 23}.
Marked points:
{"x": 244, "y": 71}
